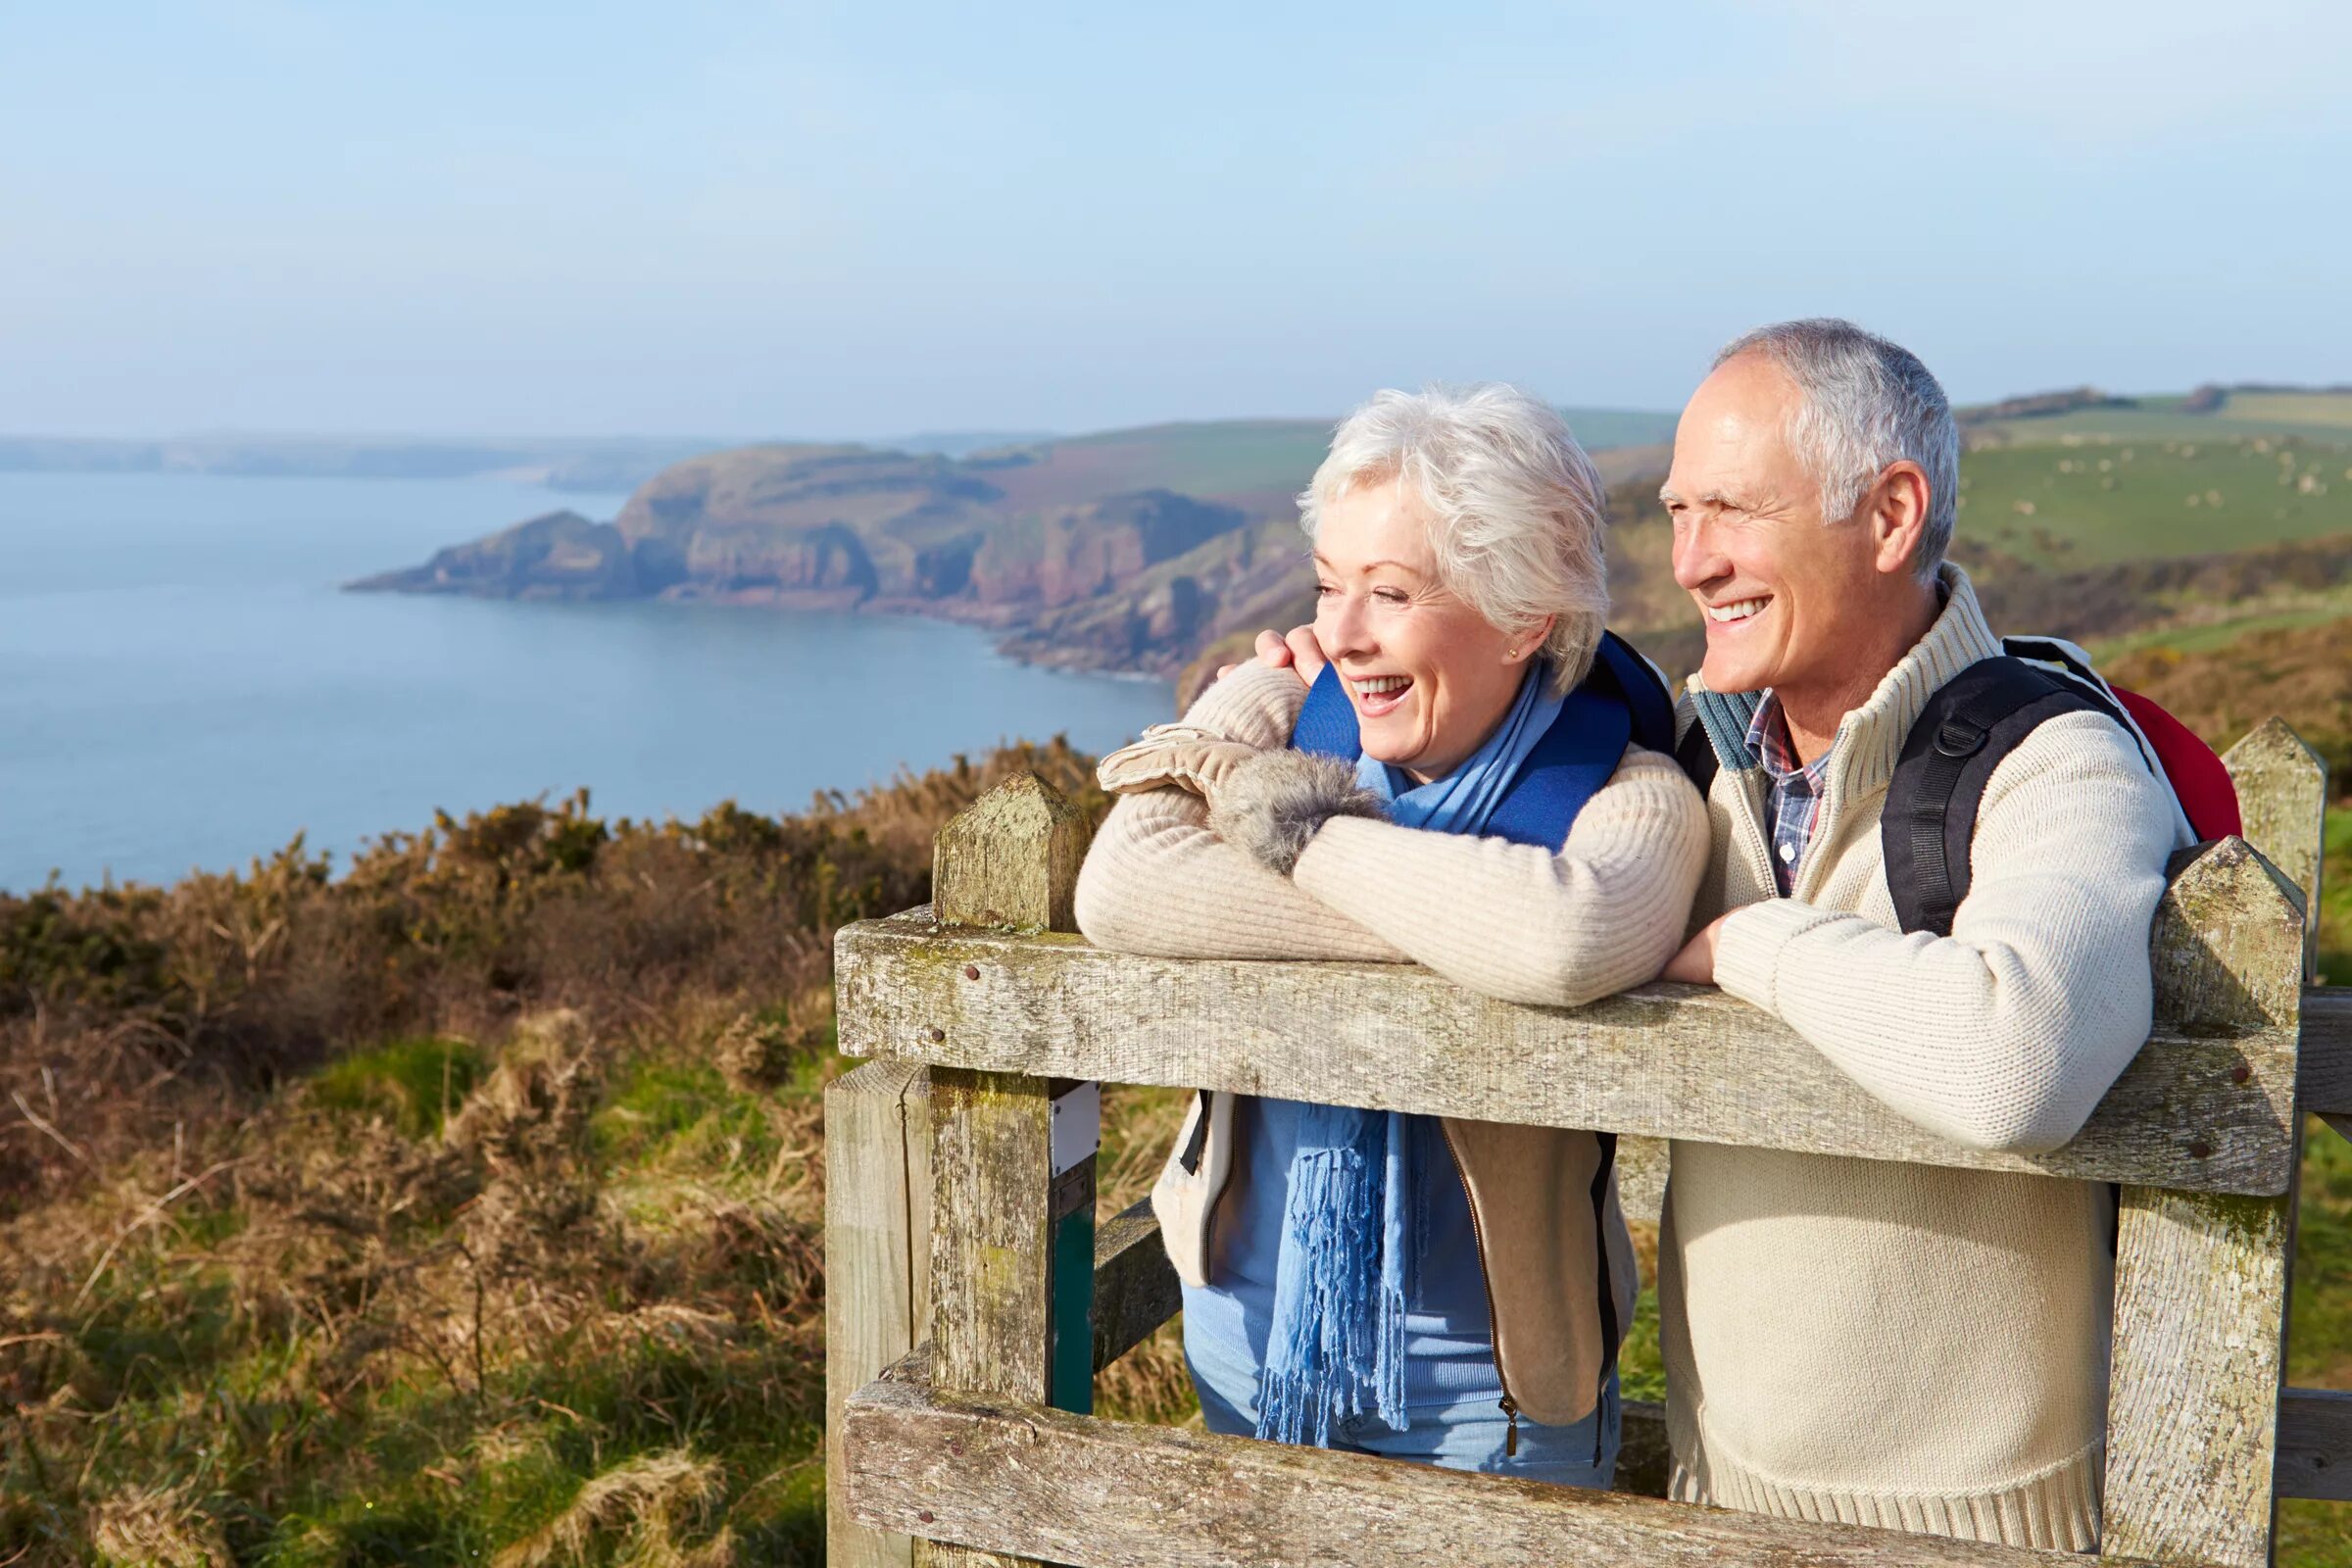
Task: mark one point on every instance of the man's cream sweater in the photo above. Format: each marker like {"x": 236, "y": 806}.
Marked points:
{"x": 1907, "y": 1346}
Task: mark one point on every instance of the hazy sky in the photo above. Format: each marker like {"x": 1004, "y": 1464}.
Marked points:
{"x": 778, "y": 220}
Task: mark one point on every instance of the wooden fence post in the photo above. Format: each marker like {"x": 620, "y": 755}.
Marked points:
{"x": 2201, "y": 1279}
{"x": 1011, "y": 1216}
{"x": 877, "y": 1265}
{"x": 2283, "y": 794}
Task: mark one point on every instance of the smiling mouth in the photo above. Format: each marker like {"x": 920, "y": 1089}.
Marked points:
{"x": 1738, "y": 609}
{"x": 1378, "y": 694}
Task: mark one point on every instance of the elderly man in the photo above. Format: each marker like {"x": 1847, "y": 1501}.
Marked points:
{"x": 1904, "y": 1346}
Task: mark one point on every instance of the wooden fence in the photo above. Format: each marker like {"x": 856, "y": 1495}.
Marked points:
{"x": 969, "y": 1298}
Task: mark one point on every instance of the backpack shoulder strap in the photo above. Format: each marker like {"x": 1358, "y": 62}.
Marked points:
{"x": 1961, "y": 736}
{"x": 1696, "y": 753}
{"x": 1619, "y": 664}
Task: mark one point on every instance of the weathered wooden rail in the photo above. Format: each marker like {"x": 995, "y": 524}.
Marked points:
{"x": 970, "y": 1296}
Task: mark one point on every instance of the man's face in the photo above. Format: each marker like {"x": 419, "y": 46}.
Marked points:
{"x": 1779, "y": 591}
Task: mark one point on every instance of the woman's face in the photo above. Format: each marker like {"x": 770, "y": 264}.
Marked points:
{"x": 1430, "y": 676}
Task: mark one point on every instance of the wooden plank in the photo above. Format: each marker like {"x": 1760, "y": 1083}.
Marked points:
{"x": 1011, "y": 860}
{"x": 878, "y": 1303}
{"x": 2283, "y": 794}
{"x": 1016, "y": 1478}
{"x": 998, "y": 1203}
{"x": 1136, "y": 1288}
{"x": 1657, "y": 1061}
{"x": 1641, "y": 1178}
{"x": 992, "y": 1242}
{"x": 2323, "y": 1072}
{"x": 2314, "y": 1444}
{"x": 2201, "y": 1278}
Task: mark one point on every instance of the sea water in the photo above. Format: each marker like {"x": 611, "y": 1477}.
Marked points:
{"x": 183, "y": 685}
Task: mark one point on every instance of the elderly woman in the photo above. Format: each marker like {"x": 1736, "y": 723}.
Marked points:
{"x": 1476, "y": 782}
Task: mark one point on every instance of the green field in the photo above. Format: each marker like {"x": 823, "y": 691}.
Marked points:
{"x": 2324, "y": 416}
{"x": 2087, "y": 503}
{"x": 2289, "y": 410}
{"x": 1242, "y": 456}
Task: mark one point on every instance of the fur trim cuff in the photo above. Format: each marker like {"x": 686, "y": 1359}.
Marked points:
{"x": 1271, "y": 805}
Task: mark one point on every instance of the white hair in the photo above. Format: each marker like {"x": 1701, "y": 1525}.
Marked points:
{"x": 1516, "y": 510}
{"x": 1864, "y": 403}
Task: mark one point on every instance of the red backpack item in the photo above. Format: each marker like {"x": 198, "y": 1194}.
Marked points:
{"x": 2200, "y": 783}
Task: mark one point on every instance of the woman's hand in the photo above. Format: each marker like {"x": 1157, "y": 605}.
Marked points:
{"x": 1297, "y": 650}
{"x": 1172, "y": 755}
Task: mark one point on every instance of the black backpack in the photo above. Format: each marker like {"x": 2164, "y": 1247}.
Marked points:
{"x": 1964, "y": 732}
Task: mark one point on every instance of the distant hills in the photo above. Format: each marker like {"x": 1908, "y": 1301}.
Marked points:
{"x": 1124, "y": 550}
{"x": 1155, "y": 547}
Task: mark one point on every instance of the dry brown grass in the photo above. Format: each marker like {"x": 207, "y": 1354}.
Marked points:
{"x": 647, "y": 1500}
{"x": 1149, "y": 1382}
{"x": 2221, "y": 691}
{"x": 135, "y": 1017}
{"x": 418, "y": 1214}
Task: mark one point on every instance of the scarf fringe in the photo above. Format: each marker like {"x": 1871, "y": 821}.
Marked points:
{"x": 1350, "y": 1253}
{"x": 1337, "y": 1343}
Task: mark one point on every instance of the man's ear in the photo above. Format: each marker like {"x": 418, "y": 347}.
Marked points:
{"x": 1897, "y": 511}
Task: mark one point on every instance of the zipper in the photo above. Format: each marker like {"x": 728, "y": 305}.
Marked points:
{"x": 1825, "y": 820}
{"x": 1612, "y": 1330}
{"x": 1216, "y": 1199}
{"x": 1751, "y": 781}
{"x": 1478, "y": 1241}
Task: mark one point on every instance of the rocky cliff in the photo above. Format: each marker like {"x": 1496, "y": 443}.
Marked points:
{"x": 848, "y": 527}
{"x": 559, "y": 555}
{"x": 1130, "y": 550}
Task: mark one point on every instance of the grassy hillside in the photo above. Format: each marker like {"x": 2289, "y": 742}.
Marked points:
{"x": 1230, "y": 458}
{"x": 2093, "y": 502}
{"x": 2319, "y": 415}
{"x": 465, "y": 1209}
{"x": 468, "y": 1208}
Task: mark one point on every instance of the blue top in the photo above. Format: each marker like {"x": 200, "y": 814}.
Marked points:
{"x": 1350, "y": 1282}
{"x": 1449, "y": 1334}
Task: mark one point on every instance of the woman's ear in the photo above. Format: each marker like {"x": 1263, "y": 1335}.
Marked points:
{"x": 1528, "y": 642}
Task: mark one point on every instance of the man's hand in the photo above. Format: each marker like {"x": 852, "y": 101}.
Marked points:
{"x": 1297, "y": 651}
{"x": 1695, "y": 964}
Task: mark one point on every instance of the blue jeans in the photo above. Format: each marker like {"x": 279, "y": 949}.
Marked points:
{"x": 1460, "y": 1435}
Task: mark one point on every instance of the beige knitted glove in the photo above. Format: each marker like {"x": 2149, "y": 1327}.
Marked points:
{"x": 1182, "y": 755}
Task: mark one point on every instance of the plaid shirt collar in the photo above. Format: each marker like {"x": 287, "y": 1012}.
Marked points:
{"x": 1793, "y": 802}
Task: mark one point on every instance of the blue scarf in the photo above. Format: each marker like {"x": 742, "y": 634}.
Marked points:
{"x": 1346, "y": 1265}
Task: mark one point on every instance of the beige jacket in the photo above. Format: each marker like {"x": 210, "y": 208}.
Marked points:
{"x": 1604, "y": 913}
{"x": 1909, "y": 1346}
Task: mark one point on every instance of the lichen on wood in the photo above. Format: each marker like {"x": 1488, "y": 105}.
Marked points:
{"x": 1011, "y": 860}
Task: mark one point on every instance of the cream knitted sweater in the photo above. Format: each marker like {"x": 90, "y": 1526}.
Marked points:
{"x": 1602, "y": 912}
{"x": 1907, "y": 1346}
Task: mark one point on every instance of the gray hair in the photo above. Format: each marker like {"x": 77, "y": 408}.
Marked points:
{"x": 1516, "y": 510}
{"x": 1865, "y": 403}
